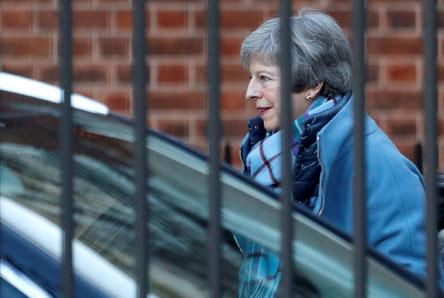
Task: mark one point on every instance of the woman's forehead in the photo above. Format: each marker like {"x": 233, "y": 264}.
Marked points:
{"x": 259, "y": 62}
{"x": 262, "y": 59}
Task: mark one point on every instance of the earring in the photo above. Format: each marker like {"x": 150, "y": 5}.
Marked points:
{"x": 308, "y": 97}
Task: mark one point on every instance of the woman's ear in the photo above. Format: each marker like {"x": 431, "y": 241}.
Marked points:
{"x": 312, "y": 93}
{"x": 315, "y": 90}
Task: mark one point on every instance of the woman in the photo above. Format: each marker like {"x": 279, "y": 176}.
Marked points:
{"x": 323, "y": 148}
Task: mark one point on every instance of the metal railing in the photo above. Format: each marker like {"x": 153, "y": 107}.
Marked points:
{"x": 359, "y": 166}
{"x": 66, "y": 144}
{"x": 140, "y": 163}
{"x": 214, "y": 132}
{"x": 430, "y": 95}
{"x": 140, "y": 79}
{"x": 287, "y": 138}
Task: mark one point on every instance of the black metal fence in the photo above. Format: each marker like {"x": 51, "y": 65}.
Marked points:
{"x": 214, "y": 235}
{"x": 66, "y": 143}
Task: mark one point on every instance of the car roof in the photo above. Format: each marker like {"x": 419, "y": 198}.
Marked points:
{"x": 29, "y": 87}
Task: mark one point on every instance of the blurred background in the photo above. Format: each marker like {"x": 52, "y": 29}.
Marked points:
{"x": 176, "y": 32}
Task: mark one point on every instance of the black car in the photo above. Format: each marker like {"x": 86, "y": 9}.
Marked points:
{"x": 30, "y": 245}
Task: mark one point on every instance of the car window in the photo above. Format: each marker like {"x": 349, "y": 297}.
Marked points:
{"x": 104, "y": 215}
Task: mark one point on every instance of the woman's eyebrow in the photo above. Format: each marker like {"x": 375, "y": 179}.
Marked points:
{"x": 267, "y": 72}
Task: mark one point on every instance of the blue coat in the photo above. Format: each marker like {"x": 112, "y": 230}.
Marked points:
{"x": 395, "y": 190}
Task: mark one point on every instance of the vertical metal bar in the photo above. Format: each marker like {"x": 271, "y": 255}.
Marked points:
{"x": 287, "y": 138}
{"x": 66, "y": 145}
{"x": 431, "y": 147}
{"x": 140, "y": 111}
{"x": 214, "y": 127}
{"x": 360, "y": 210}
{"x": 418, "y": 157}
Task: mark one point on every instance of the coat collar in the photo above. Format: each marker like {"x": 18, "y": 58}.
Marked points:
{"x": 336, "y": 136}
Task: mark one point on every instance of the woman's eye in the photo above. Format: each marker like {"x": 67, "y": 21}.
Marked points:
{"x": 264, "y": 78}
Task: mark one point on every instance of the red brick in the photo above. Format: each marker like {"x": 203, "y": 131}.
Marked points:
{"x": 20, "y": 19}
{"x": 232, "y": 101}
{"x": 114, "y": 47}
{"x": 442, "y": 48}
{"x": 90, "y": 73}
{"x": 392, "y": 100}
{"x": 83, "y": 2}
{"x": 47, "y": 19}
{"x": 49, "y": 73}
{"x": 125, "y": 73}
{"x": 230, "y": 127}
{"x": 441, "y": 100}
{"x": 234, "y": 73}
{"x": 237, "y": 19}
{"x": 241, "y": 18}
{"x": 395, "y": 45}
{"x": 201, "y": 72}
{"x": 402, "y": 72}
{"x": 33, "y": 1}
{"x": 82, "y": 47}
{"x": 441, "y": 125}
{"x": 344, "y": 17}
{"x": 21, "y": 70}
{"x": 235, "y": 157}
{"x": 441, "y": 19}
{"x": 230, "y": 73}
{"x": 113, "y": 2}
{"x": 401, "y": 19}
{"x": 441, "y": 158}
{"x": 31, "y": 46}
{"x": 441, "y": 73}
{"x": 172, "y": 73}
{"x": 202, "y": 128}
{"x": 172, "y": 18}
{"x": 96, "y": 81}
{"x": 85, "y": 91}
{"x": 234, "y": 128}
{"x": 177, "y": 100}
{"x": 372, "y": 73}
{"x": 231, "y": 45}
{"x": 125, "y": 20}
{"x": 91, "y": 19}
{"x": 398, "y": 1}
{"x": 117, "y": 101}
{"x": 200, "y": 146}
{"x": 407, "y": 148}
{"x": 175, "y": 46}
{"x": 177, "y": 128}
{"x": 401, "y": 127}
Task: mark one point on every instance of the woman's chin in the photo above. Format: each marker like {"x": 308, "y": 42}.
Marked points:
{"x": 270, "y": 126}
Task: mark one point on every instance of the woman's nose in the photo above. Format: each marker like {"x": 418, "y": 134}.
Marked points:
{"x": 253, "y": 90}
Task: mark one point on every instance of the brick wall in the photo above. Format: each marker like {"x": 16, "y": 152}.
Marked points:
{"x": 176, "y": 29}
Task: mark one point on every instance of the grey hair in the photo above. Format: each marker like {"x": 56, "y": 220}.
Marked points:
{"x": 320, "y": 51}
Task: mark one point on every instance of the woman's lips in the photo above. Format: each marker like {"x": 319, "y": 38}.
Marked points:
{"x": 262, "y": 111}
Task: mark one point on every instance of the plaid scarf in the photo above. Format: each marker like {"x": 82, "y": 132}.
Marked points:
{"x": 260, "y": 273}
{"x": 264, "y": 160}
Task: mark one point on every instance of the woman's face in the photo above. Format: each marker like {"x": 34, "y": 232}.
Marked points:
{"x": 264, "y": 89}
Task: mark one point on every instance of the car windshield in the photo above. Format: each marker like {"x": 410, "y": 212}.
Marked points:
{"x": 178, "y": 203}
{"x": 103, "y": 194}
